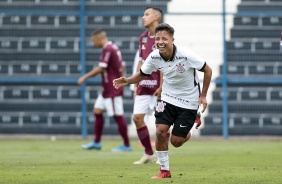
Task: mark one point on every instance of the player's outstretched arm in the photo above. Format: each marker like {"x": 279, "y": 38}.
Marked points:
{"x": 91, "y": 73}
{"x": 122, "y": 81}
{"x": 206, "y": 83}
{"x": 119, "y": 82}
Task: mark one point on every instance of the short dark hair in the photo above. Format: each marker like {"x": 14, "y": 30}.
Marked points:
{"x": 165, "y": 27}
{"x": 156, "y": 9}
{"x": 98, "y": 31}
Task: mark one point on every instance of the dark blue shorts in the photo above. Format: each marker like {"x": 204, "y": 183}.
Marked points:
{"x": 182, "y": 119}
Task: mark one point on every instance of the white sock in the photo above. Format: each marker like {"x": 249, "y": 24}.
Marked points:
{"x": 163, "y": 159}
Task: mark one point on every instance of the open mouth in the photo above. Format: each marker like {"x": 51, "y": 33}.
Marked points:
{"x": 161, "y": 46}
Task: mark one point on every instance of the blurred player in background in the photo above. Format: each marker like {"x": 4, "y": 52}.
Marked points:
{"x": 148, "y": 90}
{"x": 181, "y": 95}
{"x": 111, "y": 66}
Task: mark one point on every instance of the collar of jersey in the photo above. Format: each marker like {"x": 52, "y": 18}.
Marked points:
{"x": 108, "y": 43}
{"x": 173, "y": 54}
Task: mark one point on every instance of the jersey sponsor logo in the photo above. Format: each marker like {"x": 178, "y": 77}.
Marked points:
{"x": 143, "y": 47}
{"x": 144, "y": 39}
{"x": 156, "y": 57}
{"x": 181, "y": 57}
{"x": 160, "y": 106}
{"x": 148, "y": 83}
{"x": 183, "y": 101}
{"x": 180, "y": 69}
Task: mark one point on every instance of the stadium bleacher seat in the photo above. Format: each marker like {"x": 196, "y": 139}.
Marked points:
{"x": 276, "y": 95}
{"x": 70, "y": 93}
{"x": 260, "y": 6}
{"x": 53, "y": 69}
{"x": 118, "y": 6}
{"x": 4, "y": 69}
{"x": 24, "y": 69}
{"x": 45, "y": 93}
{"x": 16, "y": 94}
{"x": 260, "y": 70}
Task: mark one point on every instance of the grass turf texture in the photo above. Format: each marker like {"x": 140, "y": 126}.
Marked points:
{"x": 63, "y": 161}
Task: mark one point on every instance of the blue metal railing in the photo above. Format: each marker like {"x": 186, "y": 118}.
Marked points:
{"x": 82, "y": 61}
{"x": 224, "y": 73}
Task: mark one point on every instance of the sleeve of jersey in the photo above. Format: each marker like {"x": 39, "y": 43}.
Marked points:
{"x": 147, "y": 68}
{"x": 196, "y": 61}
{"x": 104, "y": 60}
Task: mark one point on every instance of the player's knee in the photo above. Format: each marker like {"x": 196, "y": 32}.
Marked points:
{"x": 176, "y": 144}
{"x": 97, "y": 111}
{"x": 138, "y": 120}
{"x": 177, "y": 141}
{"x": 160, "y": 134}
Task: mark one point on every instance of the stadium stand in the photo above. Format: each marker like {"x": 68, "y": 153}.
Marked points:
{"x": 253, "y": 53}
{"x": 40, "y": 39}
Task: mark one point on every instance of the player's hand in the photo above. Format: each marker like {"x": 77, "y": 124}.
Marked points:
{"x": 198, "y": 120}
{"x": 81, "y": 80}
{"x": 203, "y": 101}
{"x": 158, "y": 92}
{"x": 120, "y": 82}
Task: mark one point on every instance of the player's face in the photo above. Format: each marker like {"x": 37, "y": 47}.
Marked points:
{"x": 149, "y": 17}
{"x": 96, "y": 40}
{"x": 164, "y": 42}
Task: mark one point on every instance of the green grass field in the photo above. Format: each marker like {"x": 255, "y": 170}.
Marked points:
{"x": 63, "y": 161}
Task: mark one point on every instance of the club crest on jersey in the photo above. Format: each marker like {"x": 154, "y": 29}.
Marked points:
{"x": 180, "y": 69}
{"x": 144, "y": 39}
{"x": 154, "y": 47}
{"x": 160, "y": 106}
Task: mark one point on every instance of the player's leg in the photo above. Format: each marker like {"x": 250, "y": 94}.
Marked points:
{"x": 116, "y": 109}
{"x": 152, "y": 104}
{"x": 196, "y": 125}
{"x": 141, "y": 107}
{"x": 162, "y": 151}
{"x": 99, "y": 124}
{"x": 183, "y": 125}
{"x": 164, "y": 119}
{"x": 138, "y": 119}
{"x": 98, "y": 110}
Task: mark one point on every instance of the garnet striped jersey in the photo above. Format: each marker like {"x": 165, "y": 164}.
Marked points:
{"x": 111, "y": 60}
{"x": 149, "y": 85}
{"x": 180, "y": 80}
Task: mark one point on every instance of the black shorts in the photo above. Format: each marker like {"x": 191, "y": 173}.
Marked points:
{"x": 182, "y": 119}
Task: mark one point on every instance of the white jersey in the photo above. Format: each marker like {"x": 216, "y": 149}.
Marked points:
{"x": 180, "y": 80}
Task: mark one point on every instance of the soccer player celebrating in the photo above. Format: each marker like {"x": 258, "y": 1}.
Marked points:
{"x": 111, "y": 66}
{"x": 181, "y": 95}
